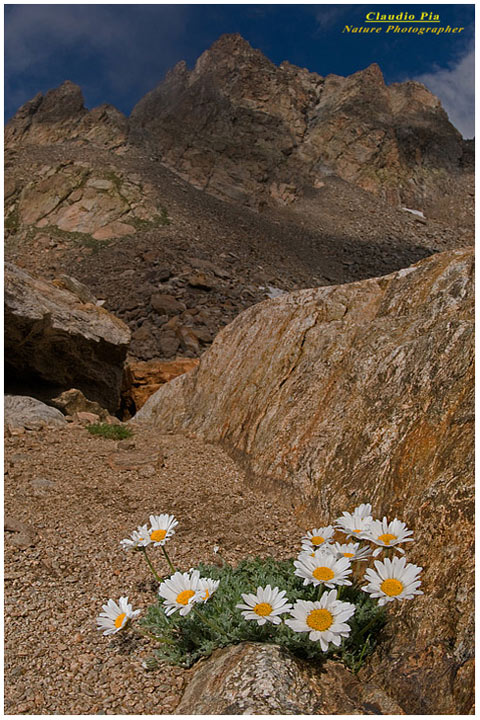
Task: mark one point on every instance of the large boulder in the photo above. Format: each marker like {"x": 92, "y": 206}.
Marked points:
{"x": 26, "y": 412}
{"x": 254, "y": 679}
{"x": 54, "y": 341}
{"x": 354, "y": 393}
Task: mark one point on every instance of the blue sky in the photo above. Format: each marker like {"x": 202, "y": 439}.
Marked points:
{"x": 117, "y": 53}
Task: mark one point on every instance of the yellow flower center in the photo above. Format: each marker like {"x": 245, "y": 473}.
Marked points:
{"x": 319, "y": 619}
{"x": 317, "y": 540}
{"x": 387, "y": 538}
{"x": 158, "y": 535}
{"x": 263, "y": 609}
{"x": 324, "y": 574}
{"x": 119, "y": 620}
{"x": 391, "y": 587}
{"x": 184, "y": 596}
{"x": 348, "y": 554}
{"x": 207, "y": 595}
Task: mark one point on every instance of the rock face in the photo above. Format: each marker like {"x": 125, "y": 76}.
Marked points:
{"x": 244, "y": 129}
{"x": 59, "y": 115}
{"x": 22, "y": 411}
{"x": 73, "y": 197}
{"x": 358, "y": 393}
{"x": 142, "y": 379}
{"x": 254, "y": 679}
{"x": 228, "y": 182}
{"x": 54, "y": 340}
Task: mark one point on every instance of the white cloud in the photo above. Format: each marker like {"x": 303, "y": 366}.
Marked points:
{"x": 455, "y": 86}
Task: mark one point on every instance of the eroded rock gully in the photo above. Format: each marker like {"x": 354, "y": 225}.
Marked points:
{"x": 358, "y": 393}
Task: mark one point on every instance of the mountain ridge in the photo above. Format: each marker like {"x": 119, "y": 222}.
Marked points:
{"x": 302, "y": 179}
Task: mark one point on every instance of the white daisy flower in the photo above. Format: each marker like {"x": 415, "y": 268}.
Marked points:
{"x": 324, "y": 620}
{"x": 180, "y": 592}
{"x": 386, "y": 534}
{"x": 364, "y": 510}
{"x": 393, "y": 579}
{"x": 162, "y": 528}
{"x": 316, "y": 537}
{"x": 353, "y": 525}
{"x": 138, "y": 538}
{"x": 311, "y": 552}
{"x": 206, "y": 588}
{"x": 115, "y": 617}
{"x": 324, "y": 568}
{"x": 265, "y": 605}
{"x": 352, "y": 551}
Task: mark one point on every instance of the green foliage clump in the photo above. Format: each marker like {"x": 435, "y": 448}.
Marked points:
{"x": 112, "y": 432}
{"x": 90, "y": 242}
{"x": 184, "y": 640}
{"x": 157, "y": 221}
{"x": 12, "y": 221}
{"x": 164, "y": 219}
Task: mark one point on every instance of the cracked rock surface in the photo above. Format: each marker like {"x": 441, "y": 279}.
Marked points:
{"x": 255, "y": 679}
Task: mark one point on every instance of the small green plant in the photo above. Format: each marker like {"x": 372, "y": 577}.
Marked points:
{"x": 184, "y": 640}
{"x": 164, "y": 219}
{"x": 12, "y": 221}
{"x": 112, "y": 432}
{"x": 95, "y": 245}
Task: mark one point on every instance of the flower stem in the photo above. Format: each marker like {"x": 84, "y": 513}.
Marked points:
{"x": 368, "y": 625}
{"x": 155, "y": 574}
{"x": 172, "y": 568}
{"x": 151, "y": 636}
{"x": 213, "y": 625}
{"x": 358, "y": 664}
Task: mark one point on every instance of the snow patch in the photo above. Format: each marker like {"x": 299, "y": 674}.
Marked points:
{"x": 273, "y": 292}
{"x": 414, "y": 212}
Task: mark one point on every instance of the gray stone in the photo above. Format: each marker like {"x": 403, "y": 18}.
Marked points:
{"x": 73, "y": 401}
{"x": 168, "y": 343}
{"x": 166, "y": 304}
{"x": 23, "y": 411}
{"x": 255, "y": 679}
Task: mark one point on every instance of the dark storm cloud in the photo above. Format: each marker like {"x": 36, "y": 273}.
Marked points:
{"x": 124, "y": 49}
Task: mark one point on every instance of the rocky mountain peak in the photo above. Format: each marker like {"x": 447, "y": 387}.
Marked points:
{"x": 62, "y": 106}
{"x": 60, "y": 103}
{"x": 233, "y": 54}
{"x": 242, "y": 128}
{"x": 372, "y": 73}
{"x": 64, "y": 101}
{"x": 61, "y": 115}
{"x": 232, "y": 45}
{"x": 178, "y": 71}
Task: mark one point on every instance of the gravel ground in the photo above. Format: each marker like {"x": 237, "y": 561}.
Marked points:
{"x": 74, "y": 497}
